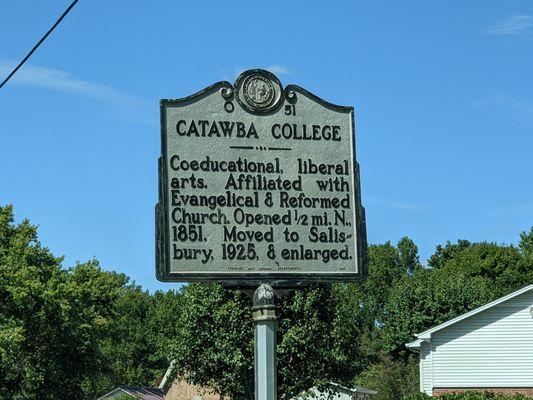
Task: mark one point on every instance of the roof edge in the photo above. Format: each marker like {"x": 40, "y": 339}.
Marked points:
{"x": 355, "y": 389}
{"x": 415, "y": 344}
{"x": 115, "y": 390}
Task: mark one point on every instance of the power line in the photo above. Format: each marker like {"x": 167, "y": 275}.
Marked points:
{"x": 38, "y": 44}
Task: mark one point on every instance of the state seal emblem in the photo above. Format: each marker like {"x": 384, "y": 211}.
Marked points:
{"x": 258, "y": 91}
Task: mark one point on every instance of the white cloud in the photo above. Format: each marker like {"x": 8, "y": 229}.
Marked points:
{"x": 121, "y": 105}
{"x": 275, "y": 69}
{"x": 514, "y": 210}
{"x": 515, "y": 105}
{"x": 278, "y": 69}
{"x": 513, "y": 25}
{"x": 48, "y": 78}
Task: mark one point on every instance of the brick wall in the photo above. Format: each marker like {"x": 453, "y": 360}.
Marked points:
{"x": 181, "y": 390}
{"x": 510, "y": 391}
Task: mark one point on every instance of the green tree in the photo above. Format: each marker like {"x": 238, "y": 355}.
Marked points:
{"x": 408, "y": 256}
{"x": 392, "y": 379}
{"x": 76, "y": 332}
{"x": 387, "y": 265}
{"x": 134, "y": 348}
{"x": 161, "y": 325}
{"x": 461, "y": 277}
{"x": 383, "y": 271}
{"x": 501, "y": 266}
{"x": 51, "y": 319}
{"x": 426, "y": 299}
{"x": 126, "y": 346}
{"x": 214, "y": 344}
{"x": 318, "y": 340}
{"x": 526, "y": 245}
{"x": 447, "y": 252}
{"x": 326, "y": 333}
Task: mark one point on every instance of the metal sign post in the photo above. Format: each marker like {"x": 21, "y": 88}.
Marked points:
{"x": 264, "y": 317}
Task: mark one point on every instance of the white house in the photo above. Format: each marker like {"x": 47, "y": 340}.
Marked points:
{"x": 140, "y": 393}
{"x": 337, "y": 392}
{"x": 489, "y": 348}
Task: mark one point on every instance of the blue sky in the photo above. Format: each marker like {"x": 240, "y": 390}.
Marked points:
{"x": 442, "y": 91}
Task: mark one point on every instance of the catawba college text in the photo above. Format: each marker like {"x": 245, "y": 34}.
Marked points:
{"x": 228, "y": 129}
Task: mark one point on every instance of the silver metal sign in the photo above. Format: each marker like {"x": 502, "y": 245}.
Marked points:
{"x": 258, "y": 182}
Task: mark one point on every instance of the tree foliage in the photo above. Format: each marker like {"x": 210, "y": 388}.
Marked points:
{"x": 214, "y": 344}
{"x": 72, "y": 332}
{"x": 50, "y": 318}
{"x": 135, "y": 345}
{"x": 390, "y": 378}
{"x": 81, "y": 331}
{"x": 426, "y": 299}
{"x": 338, "y": 332}
{"x": 526, "y": 246}
{"x": 461, "y": 277}
{"x": 317, "y": 340}
{"x": 469, "y": 395}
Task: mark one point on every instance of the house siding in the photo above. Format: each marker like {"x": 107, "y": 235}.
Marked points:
{"x": 488, "y": 350}
{"x": 425, "y": 368}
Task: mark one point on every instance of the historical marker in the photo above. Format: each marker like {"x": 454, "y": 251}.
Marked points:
{"x": 258, "y": 183}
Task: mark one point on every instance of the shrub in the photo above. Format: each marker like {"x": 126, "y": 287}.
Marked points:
{"x": 392, "y": 379}
{"x": 468, "y": 396}
{"x": 418, "y": 396}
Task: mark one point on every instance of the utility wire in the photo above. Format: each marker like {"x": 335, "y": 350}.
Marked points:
{"x": 38, "y": 44}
